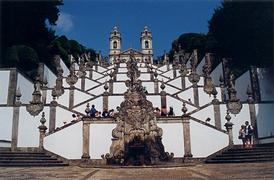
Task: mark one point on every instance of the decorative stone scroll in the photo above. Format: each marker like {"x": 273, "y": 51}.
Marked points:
{"x": 136, "y": 139}
{"x": 36, "y": 105}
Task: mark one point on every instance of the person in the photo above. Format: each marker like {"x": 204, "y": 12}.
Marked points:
{"x": 111, "y": 113}
{"x": 248, "y": 134}
{"x": 93, "y": 111}
{"x": 105, "y": 113}
{"x": 171, "y": 112}
{"x": 157, "y": 112}
{"x": 242, "y": 135}
{"x": 74, "y": 118}
{"x": 163, "y": 111}
{"x": 78, "y": 117}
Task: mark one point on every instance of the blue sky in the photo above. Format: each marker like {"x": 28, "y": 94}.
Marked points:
{"x": 90, "y": 21}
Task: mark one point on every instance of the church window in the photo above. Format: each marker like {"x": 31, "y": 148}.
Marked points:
{"x": 146, "y": 44}
{"x": 115, "y": 45}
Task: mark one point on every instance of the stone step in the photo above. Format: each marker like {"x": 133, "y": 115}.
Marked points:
{"x": 24, "y": 155}
{"x": 31, "y": 164}
{"x": 246, "y": 154}
{"x": 249, "y": 151}
{"x": 242, "y": 157}
{"x": 26, "y": 158}
{"x": 240, "y": 160}
{"x": 19, "y": 159}
{"x": 31, "y": 161}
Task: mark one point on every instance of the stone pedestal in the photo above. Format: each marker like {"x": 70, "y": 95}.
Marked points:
{"x": 187, "y": 142}
{"x": 86, "y": 129}
{"x": 52, "y": 115}
{"x": 196, "y": 94}
{"x": 83, "y": 83}
{"x": 71, "y": 97}
{"x": 15, "y": 123}
{"x": 217, "y": 113}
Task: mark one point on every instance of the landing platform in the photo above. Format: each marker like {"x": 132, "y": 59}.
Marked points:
{"x": 198, "y": 171}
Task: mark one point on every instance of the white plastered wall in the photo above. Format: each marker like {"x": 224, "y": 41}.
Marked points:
{"x": 119, "y": 87}
{"x": 205, "y": 113}
{"x": 199, "y": 68}
{"x": 100, "y": 139}
{"x": 67, "y": 143}
{"x": 172, "y": 138}
{"x": 265, "y": 122}
{"x": 149, "y": 86}
{"x": 241, "y": 84}
{"x": 50, "y": 76}
{"x": 205, "y": 98}
{"x": 26, "y": 87}
{"x": 6, "y": 123}
{"x": 114, "y": 101}
{"x": 177, "y": 105}
{"x": 28, "y": 132}
{"x": 205, "y": 140}
{"x": 65, "y": 68}
{"x": 4, "y": 88}
{"x": 215, "y": 74}
{"x": 98, "y": 102}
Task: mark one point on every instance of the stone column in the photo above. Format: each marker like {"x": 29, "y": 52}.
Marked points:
{"x": 222, "y": 86}
{"x": 86, "y": 134}
{"x": 83, "y": 83}
{"x": 174, "y": 71}
{"x": 156, "y": 86}
{"x": 163, "y": 95}
{"x": 42, "y": 130}
{"x": 90, "y": 73}
{"x": 216, "y": 108}
{"x": 71, "y": 97}
{"x": 196, "y": 94}
{"x": 228, "y": 126}
{"x": 15, "y": 121}
{"x": 183, "y": 82}
{"x": 52, "y": 114}
{"x": 186, "y": 131}
{"x": 110, "y": 86}
{"x": 12, "y": 87}
{"x": 105, "y": 97}
{"x": 44, "y": 94}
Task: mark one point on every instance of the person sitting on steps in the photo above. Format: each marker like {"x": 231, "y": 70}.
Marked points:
{"x": 242, "y": 135}
{"x": 93, "y": 111}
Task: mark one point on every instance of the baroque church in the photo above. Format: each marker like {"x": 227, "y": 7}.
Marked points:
{"x": 116, "y": 52}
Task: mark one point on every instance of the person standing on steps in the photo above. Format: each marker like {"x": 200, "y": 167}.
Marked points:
{"x": 242, "y": 135}
{"x": 248, "y": 134}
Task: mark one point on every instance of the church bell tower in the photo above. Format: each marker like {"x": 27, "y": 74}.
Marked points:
{"x": 114, "y": 44}
{"x": 146, "y": 44}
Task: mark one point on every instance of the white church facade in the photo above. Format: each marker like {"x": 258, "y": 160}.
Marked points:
{"x": 116, "y": 53}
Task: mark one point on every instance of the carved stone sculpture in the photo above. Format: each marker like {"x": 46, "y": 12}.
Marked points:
{"x": 36, "y": 105}
{"x": 136, "y": 138}
{"x": 233, "y": 105}
{"x": 208, "y": 83}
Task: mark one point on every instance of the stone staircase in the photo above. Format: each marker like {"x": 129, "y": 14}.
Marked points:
{"x": 237, "y": 154}
{"x": 20, "y": 159}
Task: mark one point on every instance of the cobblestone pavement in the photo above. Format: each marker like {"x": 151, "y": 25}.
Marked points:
{"x": 248, "y": 171}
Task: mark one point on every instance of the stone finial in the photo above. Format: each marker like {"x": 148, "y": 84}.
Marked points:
{"x": 155, "y": 74}
{"x": 54, "y": 94}
{"x": 72, "y": 78}
{"x": 227, "y": 117}
{"x": 106, "y": 86}
{"x": 162, "y": 85}
{"x": 184, "y": 108}
{"x": 43, "y": 119}
{"x": 18, "y": 94}
{"x": 214, "y": 92}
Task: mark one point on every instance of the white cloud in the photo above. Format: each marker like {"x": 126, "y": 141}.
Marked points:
{"x": 64, "y": 22}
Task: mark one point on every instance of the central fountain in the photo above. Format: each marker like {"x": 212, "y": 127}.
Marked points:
{"x": 137, "y": 140}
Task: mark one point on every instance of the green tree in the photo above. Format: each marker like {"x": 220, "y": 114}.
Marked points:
{"x": 23, "y": 57}
{"x": 244, "y": 31}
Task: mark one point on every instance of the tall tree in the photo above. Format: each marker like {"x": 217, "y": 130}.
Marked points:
{"x": 244, "y": 31}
